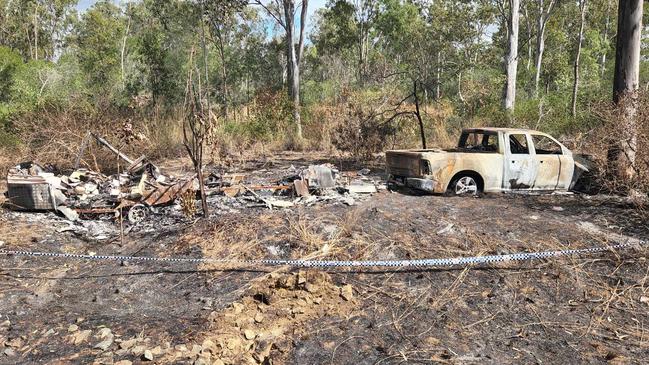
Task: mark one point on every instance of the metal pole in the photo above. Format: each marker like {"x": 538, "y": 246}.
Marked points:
{"x": 105, "y": 143}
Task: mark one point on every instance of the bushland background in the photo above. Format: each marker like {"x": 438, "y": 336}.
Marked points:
{"x": 346, "y": 77}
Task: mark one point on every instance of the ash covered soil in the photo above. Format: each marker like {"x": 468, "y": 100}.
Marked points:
{"x": 588, "y": 309}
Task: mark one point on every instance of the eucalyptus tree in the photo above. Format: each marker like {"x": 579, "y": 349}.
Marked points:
{"x": 36, "y": 28}
{"x": 580, "y": 40}
{"x": 221, "y": 15}
{"x": 163, "y": 32}
{"x": 284, "y": 13}
{"x": 545, "y": 9}
{"x": 98, "y": 43}
{"x": 511, "y": 17}
{"x": 626, "y": 82}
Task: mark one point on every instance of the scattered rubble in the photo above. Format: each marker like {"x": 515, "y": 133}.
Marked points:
{"x": 346, "y": 292}
{"x": 298, "y": 318}
{"x": 31, "y": 187}
{"x": 147, "y": 355}
{"x": 141, "y": 190}
{"x": 308, "y": 186}
{"x": 80, "y": 337}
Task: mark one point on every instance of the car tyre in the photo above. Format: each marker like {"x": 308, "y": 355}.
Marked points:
{"x": 465, "y": 185}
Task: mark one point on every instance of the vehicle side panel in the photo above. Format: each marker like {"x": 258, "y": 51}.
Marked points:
{"x": 556, "y": 171}
{"x": 567, "y": 168}
{"x": 519, "y": 169}
{"x": 549, "y": 168}
{"x": 487, "y": 165}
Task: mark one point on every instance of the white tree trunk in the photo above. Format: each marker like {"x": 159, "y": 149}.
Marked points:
{"x": 538, "y": 62}
{"x": 606, "y": 30}
{"x": 575, "y": 84}
{"x": 294, "y": 57}
{"x": 123, "y": 55}
{"x": 438, "y": 76}
{"x": 544, "y": 16}
{"x": 36, "y": 31}
{"x": 511, "y": 59}
{"x": 459, "y": 88}
{"x": 528, "y": 27}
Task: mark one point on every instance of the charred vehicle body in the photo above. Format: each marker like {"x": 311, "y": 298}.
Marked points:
{"x": 488, "y": 160}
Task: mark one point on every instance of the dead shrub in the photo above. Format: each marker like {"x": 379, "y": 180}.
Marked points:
{"x": 188, "y": 203}
{"x": 362, "y": 135}
{"x": 55, "y": 136}
{"x": 602, "y": 142}
{"x": 322, "y": 123}
{"x": 366, "y": 125}
{"x": 359, "y": 127}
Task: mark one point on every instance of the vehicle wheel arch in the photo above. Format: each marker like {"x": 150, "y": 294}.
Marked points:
{"x": 471, "y": 173}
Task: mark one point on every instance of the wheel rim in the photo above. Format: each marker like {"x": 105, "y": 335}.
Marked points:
{"x": 137, "y": 214}
{"x": 466, "y": 185}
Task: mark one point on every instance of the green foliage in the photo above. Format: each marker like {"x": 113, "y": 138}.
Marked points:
{"x": 31, "y": 83}
{"x": 361, "y": 55}
{"x": 337, "y": 29}
{"x": 9, "y": 62}
{"x": 98, "y": 45}
{"x": 35, "y": 28}
{"x": 161, "y": 68}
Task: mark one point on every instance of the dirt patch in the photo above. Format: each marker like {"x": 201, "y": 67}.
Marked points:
{"x": 257, "y": 329}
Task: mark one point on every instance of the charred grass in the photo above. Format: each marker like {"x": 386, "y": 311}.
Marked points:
{"x": 590, "y": 309}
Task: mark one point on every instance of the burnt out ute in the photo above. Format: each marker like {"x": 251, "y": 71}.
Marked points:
{"x": 488, "y": 160}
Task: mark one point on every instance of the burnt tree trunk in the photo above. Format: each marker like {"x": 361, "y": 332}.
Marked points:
{"x": 198, "y": 133}
{"x": 625, "y": 85}
{"x": 418, "y": 115}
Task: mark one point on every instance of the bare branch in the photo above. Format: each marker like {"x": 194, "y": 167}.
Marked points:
{"x": 278, "y": 18}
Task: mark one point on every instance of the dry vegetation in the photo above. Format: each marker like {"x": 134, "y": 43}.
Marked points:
{"x": 357, "y": 126}
{"x": 56, "y": 137}
{"x": 602, "y": 140}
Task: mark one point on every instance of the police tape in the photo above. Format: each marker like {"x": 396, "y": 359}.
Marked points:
{"x": 298, "y": 263}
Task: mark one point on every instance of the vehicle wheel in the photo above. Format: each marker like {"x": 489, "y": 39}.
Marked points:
{"x": 465, "y": 185}
{"x": 137, "y": 213}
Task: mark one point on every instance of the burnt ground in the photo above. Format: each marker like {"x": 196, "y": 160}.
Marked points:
{"x": 588, "y": 309}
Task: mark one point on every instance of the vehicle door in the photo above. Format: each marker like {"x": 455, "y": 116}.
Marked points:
{"x": 547, "y": 154}
{"x": 520, "y": 167}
